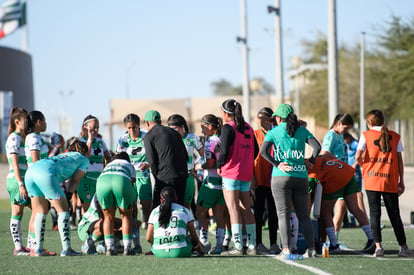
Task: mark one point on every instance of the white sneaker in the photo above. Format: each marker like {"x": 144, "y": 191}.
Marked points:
{"x": 379, "y": 252}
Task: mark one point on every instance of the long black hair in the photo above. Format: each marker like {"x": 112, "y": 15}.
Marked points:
{"x": 168, "y": 196}
{"x": 234, "y": 108}
{"x": 178, "y": 120}
{"x": 345, "y": 119}
{"x": 292, "y": 124}
{"x": 32, "y": 118}
{"x": 131, "y": 118}
{"x": 15, "y": 114}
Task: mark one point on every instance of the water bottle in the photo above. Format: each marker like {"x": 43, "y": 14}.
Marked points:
{"x": 295, "y": 256}
{"x": 325, "y": 251}
{"x": 55, "y": 139}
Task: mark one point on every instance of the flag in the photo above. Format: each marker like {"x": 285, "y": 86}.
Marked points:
{"x": 12, "y": 16}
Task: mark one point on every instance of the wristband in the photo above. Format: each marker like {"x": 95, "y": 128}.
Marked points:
{"x": 21, "y": 183}
{"x": 89, "y": 140}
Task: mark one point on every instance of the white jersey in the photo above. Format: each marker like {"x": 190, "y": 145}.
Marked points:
{"x": 174, "y": 235}
{"x": 34, "y": 142}
{"x": 96, "y": 157}
{"x": 212, "y": 151}
{"x": 120, "y": 167}
{"x": 136, "y": 152}
{"x": 15, "y": 145}
{"x": 191, "y": 142}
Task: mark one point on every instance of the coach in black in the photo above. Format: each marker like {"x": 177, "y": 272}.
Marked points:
{"x": 166, "y": 155}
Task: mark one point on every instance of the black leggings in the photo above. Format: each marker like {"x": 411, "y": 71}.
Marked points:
{"x": 264, "y": 198}
{"x": 393, "y": 211}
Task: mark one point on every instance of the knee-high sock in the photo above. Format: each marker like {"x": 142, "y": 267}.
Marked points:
{"x": 251, "y": 235}
{"x": 64, "y": 229}
{"x": 15, "y": 229}
{"x": 39, "y": 228}
{"x": 236, "y": 230}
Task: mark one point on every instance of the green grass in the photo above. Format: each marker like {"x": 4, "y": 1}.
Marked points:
{"x": 347, "y": 262}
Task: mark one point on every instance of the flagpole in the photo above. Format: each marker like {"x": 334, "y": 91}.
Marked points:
{"x": 25, "y": 35}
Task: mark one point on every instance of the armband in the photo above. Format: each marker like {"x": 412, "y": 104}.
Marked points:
{"x": 89, "y": 140}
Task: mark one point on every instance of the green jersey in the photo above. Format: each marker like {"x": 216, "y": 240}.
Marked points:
{"x": 289, "y": 149}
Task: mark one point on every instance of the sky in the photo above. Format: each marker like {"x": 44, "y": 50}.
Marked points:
{"x": 85, "y": 53}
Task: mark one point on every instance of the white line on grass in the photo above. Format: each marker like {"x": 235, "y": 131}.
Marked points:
{"x": 309, "y": 268}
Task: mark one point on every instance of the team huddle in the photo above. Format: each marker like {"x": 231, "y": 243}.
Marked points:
{"x": 179, "y": 182}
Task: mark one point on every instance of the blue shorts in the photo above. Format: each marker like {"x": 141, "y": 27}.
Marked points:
{"x": 41, "y": 181}
{"x": 233, "y": 185}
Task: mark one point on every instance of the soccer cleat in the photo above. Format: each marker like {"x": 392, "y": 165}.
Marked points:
{"x": 310, "y": 253}
{"x": 405, "y": 252}
{"x": 89, "y": 249}
{"x": 261, "y": 249}
{"x": 55, "y": 227}
{"x": 21, "y": 252}
{"x": 70, "y": 252}
{"x": 100, "y": 248}
{"x": 274, "y": 249}
{"x": 215, "y": 251}
{"x": 41, "y": 253}
{"x": 334, "y": 249}
{"x": 137, "y": 249}
{"x": 128, "y": 252}
{"x": 369, "y": 247}
{"x": 232, "y": 252}
{"x": 379, "y": 252}
{"x": 110, "y": 252}
{"x": 250, "y": 251}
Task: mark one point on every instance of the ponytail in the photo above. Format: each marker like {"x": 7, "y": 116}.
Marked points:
{"x": 234, "y": 108}
{"x": 292, "y": 124}
{"x": 15, "y": 113}
{"x": 214, "y": 121}
{"x": 168, "y": 196}
{"x": 32, "y": 118}
{"x": 377, "y": 118}
{"x": 384, "y": 141}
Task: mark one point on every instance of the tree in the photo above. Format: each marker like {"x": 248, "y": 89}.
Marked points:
{"x": 224, "y": 88}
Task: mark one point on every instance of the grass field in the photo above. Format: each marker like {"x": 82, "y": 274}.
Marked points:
{"x": 348, "y": 262}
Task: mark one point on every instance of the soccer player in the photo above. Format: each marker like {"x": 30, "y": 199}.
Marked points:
{"x": 35, "y": 149}
{"x": 168, "y": 227}
{"x": 380, "y": 155}
{"x": 192, "y": 144}
{"x": 132, "y": 142}
{"x": 98, "y": 155}
{"x": 15, "y": 178}
{"x": 337, "y": 179}
{"x": 237, "y": 152}
{"x": 43, "y": 180}
{"x": 210, "y": 194}
{"x": 114, "y": 189}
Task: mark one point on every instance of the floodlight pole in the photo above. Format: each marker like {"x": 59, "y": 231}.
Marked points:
{"x": 362, "y": 121}
{"x": 333, "y": 93}
{"x": 278, "y": 51}
{"x": 245, "y": 61}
